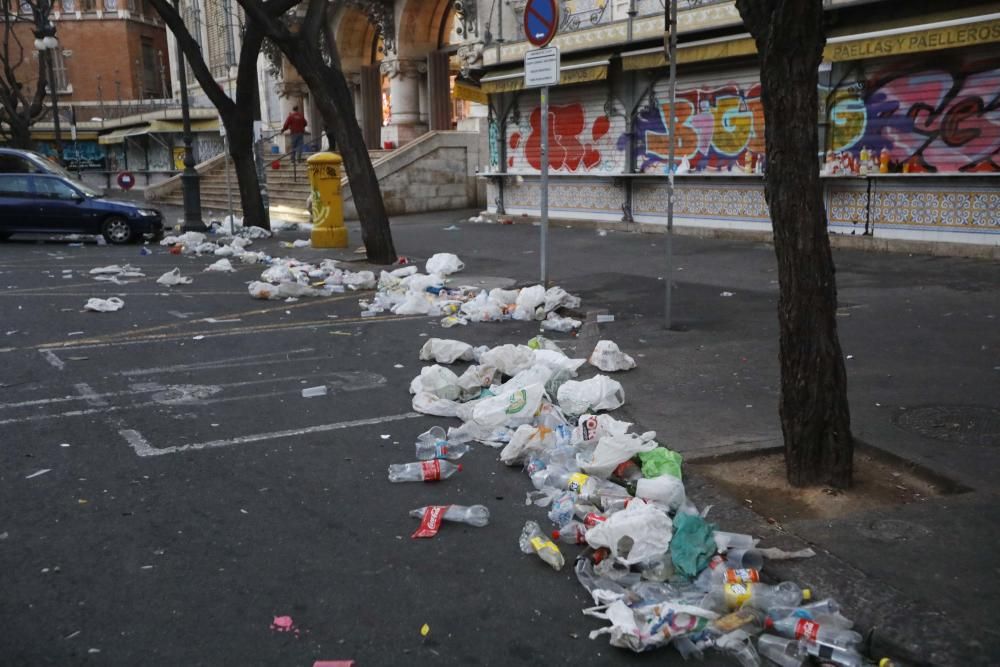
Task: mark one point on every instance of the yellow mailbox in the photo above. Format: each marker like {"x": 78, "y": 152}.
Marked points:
{"x": 327, "y": 206}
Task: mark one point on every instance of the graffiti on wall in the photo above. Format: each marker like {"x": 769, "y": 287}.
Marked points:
{"x": 716, "y": 129}
{"x": 577, "y": 144}
{"x": 939, "y": 118}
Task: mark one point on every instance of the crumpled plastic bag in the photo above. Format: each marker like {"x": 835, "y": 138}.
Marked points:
{"x": 510, "y": 408}
{"x": 598, "y": 393}
{"x": 609, "y": 358}
{"x": 415, "y": 303}
{"x": 594, "y": 427}
{"x": 474, "y": 380}
{"x": 645, "y": 627}
{"x": 437, "y": 380}
{"x": 359, "y": 279}
{"x": 642, "y": 530}
{"x": 527, "y": 302}
{"x": 261, "y": 290}
{"x": 446, "y": 351}
{"x": 108, "y": 305}
{"x": 557, "y": 297}
{"x": 221, "y": 266}
{"x": 174, "y": 277}
{"x": 665, "y": 489}
{"x": 543, "y": 343}
{"x": 553, "y": 322}
{"x": 661, "y": 461}
{"x": 444, "y": 263}
{"x": 613, "y": 450}
{"x": 693, "y": 544}
{"x": 526, "y": 440}
{"x": 429, "y": 404}
{"x": 509, "y": 359}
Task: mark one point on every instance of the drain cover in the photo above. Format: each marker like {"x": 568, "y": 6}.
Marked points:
{"x": 961, "y": 424}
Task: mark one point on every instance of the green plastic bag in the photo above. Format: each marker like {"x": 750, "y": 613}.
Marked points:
{"x": 692, "y": 545}
{"x": 661, "y": 461}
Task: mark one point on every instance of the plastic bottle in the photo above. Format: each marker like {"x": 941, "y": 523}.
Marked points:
{"x": 441, "y": 450}
{"x": 844, "y": 657}
{"x": 573, "y": 532}
{"x": 533, "y": 540}
{"x": 825, "y": 612}
{"x": 423, "y": 471}
{"x": 474, "y": 515}
{"x": 781, "y": 651}
{"x": 809, "y": 630}
{"x": 761, "y": 596}
{"x": 562, "y": 508}
{"x": 577, "y": 482}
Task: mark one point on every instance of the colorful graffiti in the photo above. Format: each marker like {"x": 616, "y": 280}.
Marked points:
{"x": 943, "y": 117}
{"x": 574, "y": 144}
{"x": 716, "y": 129}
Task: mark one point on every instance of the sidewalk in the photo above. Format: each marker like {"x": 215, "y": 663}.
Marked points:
{"x": 918, "y": 332}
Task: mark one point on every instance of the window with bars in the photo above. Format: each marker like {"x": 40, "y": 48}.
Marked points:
{"x": 59, "y": 74}
{"x": 191, "y": 15}
{"x": 151, "y": 85}
{"x": 68, "y": 6}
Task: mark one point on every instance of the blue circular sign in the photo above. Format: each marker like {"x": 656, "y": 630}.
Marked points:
{"x": 541, "y": 19}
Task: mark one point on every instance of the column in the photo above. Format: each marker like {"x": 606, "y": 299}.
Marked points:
{"x": 405, "y": 124}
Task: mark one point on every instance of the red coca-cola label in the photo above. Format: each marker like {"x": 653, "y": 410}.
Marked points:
{"x": 623, "y": 469}
{"x": 592, "y": 519}
{"x": 806, "y": 629}
{"x": 431, "y": 523}
{"x": 590, "y": 428}
{"x": 431, "y": 470}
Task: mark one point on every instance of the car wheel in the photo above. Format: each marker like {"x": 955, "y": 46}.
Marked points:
{"x": 116, "y": 230}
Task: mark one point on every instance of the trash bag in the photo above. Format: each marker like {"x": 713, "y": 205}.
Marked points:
{"x": 437, "y": 380}
{"x": 597, "y": 393}
{"x": 221, "y": 266}
{"x": 543, "y": 343}
{"x": 509, "y": 359}
{"x": 693, "y": 544}
{"x": 108, "y": 305}
{"x": 528, "y": 300}
{"x": 594, "y": 427}
{"x": 558, "y": 361}
{"x": 446, "y": 351}
{"x": 173, "y": 277}
{"x": 553, "y": 322}
{"x": 359, "y": 279}
{"x": 609, "y": 358}
{"x": 557, "y": 297}
{"x": 415, "y": 303}
{"x": 444, "y": 264}
{"x": 429, "y": 404}
{"x": 661, "y": 461}
{"x": 613, "y": 450}
{"x": 665, "y": 489}
{"x": 527, "y": 439}
{"x": 509, "y": 409}
{"x": 638, "y": 533}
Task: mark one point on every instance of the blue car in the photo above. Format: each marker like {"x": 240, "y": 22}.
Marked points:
{"x": 43, "y": 203}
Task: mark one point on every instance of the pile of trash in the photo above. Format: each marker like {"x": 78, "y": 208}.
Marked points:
{"x": 116, "y": 274}
{"x": 658, "y": 571}
{"x": 406, "y": 291}
{"x": 287, "y": 278}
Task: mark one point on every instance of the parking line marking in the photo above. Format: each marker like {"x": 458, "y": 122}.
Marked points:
{"x": 225, "y": 363}
{"x": 142, "y": 447}
{"x": 88, "y": 394}
{"x": 51, "y": 357}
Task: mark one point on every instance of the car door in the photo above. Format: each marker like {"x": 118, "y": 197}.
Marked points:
{"x": 62, "y": 208}
{"x": 18, "y": 209}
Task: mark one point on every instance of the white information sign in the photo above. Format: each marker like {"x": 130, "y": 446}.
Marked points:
{"x": 541, "y": 67}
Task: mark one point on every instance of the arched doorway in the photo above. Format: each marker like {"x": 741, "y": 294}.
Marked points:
{"x": 361, "y": 50}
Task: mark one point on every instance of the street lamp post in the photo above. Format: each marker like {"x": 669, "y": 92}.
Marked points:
{"x": 46, "y": 44}
{"x": 190, "y": 181}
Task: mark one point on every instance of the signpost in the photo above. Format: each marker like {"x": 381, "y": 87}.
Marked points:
{"x": 541, "y": 70}
{"x": 671, "y": 49}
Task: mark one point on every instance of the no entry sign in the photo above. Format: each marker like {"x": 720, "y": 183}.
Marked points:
{"x": 541, "y": 19}
{"x": 126, "y": 180}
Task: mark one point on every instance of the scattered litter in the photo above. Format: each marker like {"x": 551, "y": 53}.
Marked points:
{"x": 116, "y": 274}
{"x": 38, "y": 473}
{"x": 774, "y": 553}
{"x": 333, "y": 663}
{"x": 173, "y": 277}
{"x": 726, "y": 294}
{"x": 199, "y": 337}
{"x": 385, "y": 436}
{"x": 284, "y": 624}
{"x": 313, "y": 392}
{"x": 108, "y": 305}
{"x": 432, "y": 516}
{"x": 425, "y": 630}
{"x": 221, "y": 266}
{"x": 64, "y": 444}
{"x": 609, "y": 358}
{"x": 444, "y": 263}
{"x": 451, "y": 228}
{"x": 604, "y": 319}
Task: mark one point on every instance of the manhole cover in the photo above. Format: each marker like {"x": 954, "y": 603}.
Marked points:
{"x": 961, "y": 424}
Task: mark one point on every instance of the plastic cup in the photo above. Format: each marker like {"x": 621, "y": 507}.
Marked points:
{"x": 726, "y": 541}
{"x": 745, "y": 558}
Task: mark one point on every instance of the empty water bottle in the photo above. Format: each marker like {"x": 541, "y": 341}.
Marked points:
{"x": 533, "y": 540}
{"x": 573, "y": 532}
{"x": 782, "y": 651}
{"x": 422, "y": 471}
{"x": 474, "y": 515}
{"x": 809, "y": 630}
{"x": 837, "y": 655}
{"x": 762, "y": 596}
{"x": 562, "y": 508}
{"x": 441, "y": 450}
{"x": 825, "y": 612}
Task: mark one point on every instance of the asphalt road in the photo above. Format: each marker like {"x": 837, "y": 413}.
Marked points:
{"x": 190, "y": 494}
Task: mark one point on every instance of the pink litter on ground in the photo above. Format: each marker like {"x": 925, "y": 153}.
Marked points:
{"x": 333, "y": 663}
{"x": 282, "y": 624}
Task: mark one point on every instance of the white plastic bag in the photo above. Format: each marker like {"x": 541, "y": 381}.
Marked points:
{"x": 509, "y": 359}
{"x": 415, "y": 303}
{"x": 444, "y": 263}
{"x": 553, "y": 322}
{"x": 645, "y": 527}
{"x": 557, "y": 297}
{"x": 359, "y": 279}
{"x": 665, "y": 489}
{"x": 173, "y": 277}
{"x": 108, "y": 305}
{"x": 558, "y": 361}
{"x": 221, "y": 266}
{"x": 509, "y": 409}
{"x": 437, "y": 380}
{"x": 429, "y": 404}
{"x": 615, "y": 449}
{"x": 597, "y": 393}
{"x": 609, "y": 358}
{"x": 595, "y": 427}
{"x": 445, "y": 351}
{"x": 528, "y": 300}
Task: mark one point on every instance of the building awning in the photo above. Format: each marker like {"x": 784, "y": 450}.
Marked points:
{"x": 65, "y": 134}
{"x": 950, "y": 34}
{"x": 469, "y": 91}
{"x": 594, "y": 68}
{"x": 157, "y": 126}
{"x": 717, "y": 48}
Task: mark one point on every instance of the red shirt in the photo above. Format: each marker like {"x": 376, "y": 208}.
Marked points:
{"x": 295, "y": 122}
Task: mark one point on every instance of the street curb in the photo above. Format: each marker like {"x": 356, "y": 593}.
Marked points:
{"x": 837, "y": 241}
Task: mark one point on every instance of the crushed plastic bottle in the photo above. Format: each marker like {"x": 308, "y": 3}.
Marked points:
{"x": 573, "y": 532}
{"x": 434, "y": 445}
{"x": 732, "y": 596}
{"x": 474, "y": 515}
{"x": 423, "y": 471}
{"x": 811, "y": 631}
{"x": 533, "y": 540}
{"x": 782, "y": 651}
{"x": 843, "y": 657}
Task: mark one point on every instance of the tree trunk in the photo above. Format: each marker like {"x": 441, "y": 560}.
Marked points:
{"x": 19, "y": 131}
{"x": 239, "y": 129}
{"x": 815, "y": 418}
{"x": 333, "y": 99}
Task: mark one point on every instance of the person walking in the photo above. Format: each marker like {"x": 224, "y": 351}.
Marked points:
{"x": 295, "y": 124}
